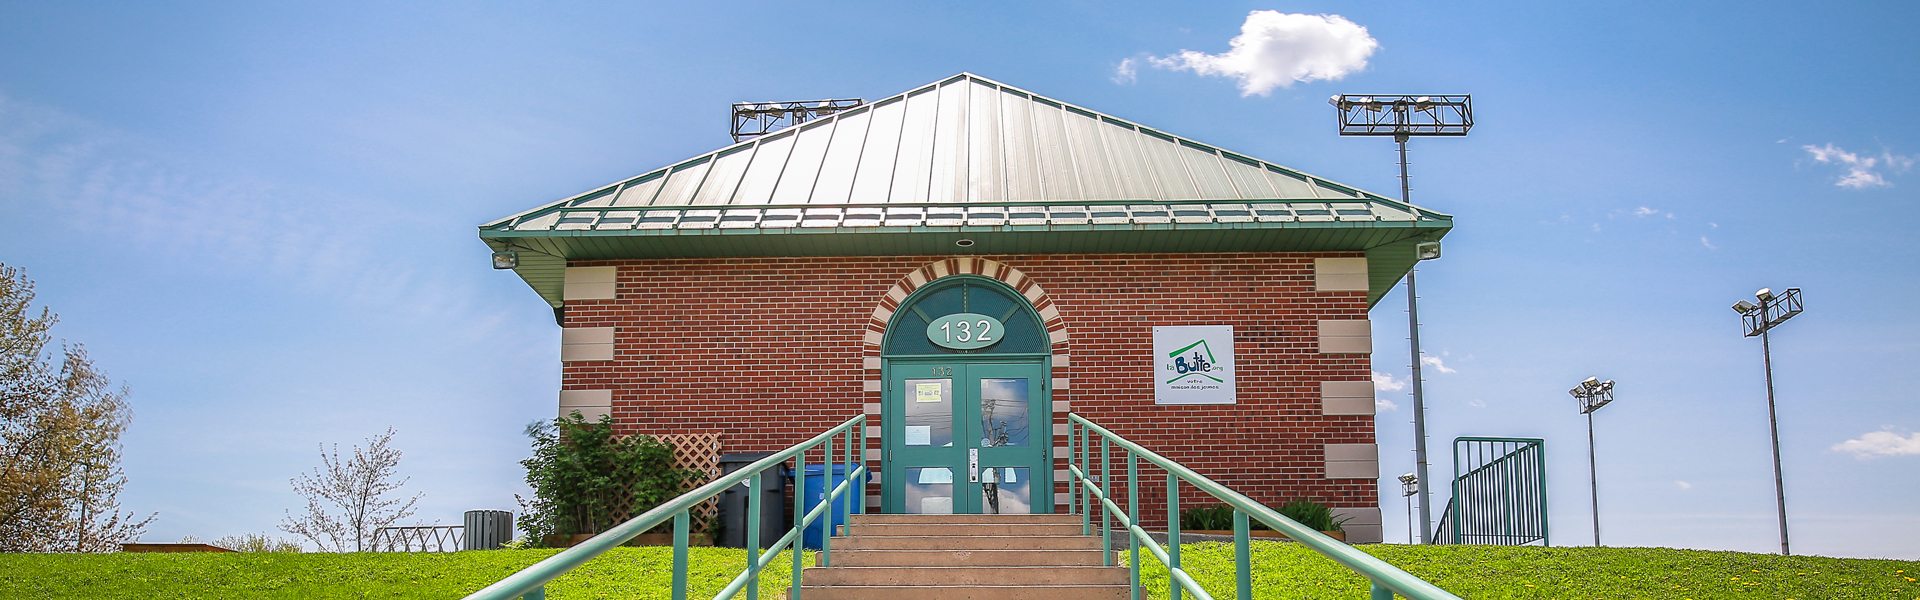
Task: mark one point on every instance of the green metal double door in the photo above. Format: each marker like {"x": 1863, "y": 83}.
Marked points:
{"x": 967, "y": 438}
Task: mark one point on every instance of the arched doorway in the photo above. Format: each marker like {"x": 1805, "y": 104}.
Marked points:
{"x": 967, "y": 415}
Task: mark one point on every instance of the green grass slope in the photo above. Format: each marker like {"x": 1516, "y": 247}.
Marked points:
{"x": 1280, "y": 571}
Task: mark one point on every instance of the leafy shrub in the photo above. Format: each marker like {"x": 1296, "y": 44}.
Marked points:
{"x": 584, "y": 478}
{"x": 1218, "y": 517}
{"x": 1314, "y": 515}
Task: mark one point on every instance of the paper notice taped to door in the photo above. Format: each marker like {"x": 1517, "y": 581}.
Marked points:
{"x": 1010, "y": 478}
{"x": 928, "y": 392}
{"x": 991, "y": 476}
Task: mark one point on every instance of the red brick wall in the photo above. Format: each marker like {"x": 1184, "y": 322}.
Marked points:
{"x": 768, "y": 351}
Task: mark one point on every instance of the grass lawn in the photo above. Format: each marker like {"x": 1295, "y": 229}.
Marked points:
{"x": 1280, "y": 571}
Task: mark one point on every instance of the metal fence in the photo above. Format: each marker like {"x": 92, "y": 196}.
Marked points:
{"x": 419, "y": 538}
{"x": 1499, "y": 493}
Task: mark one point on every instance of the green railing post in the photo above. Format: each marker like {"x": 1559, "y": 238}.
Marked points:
{"x": 833, "y": 525}
{"x": 753, "y": 536}
{"x": 1242, "y": 558}
{"x": 539, "y": 593}
{"x": 799, "y": 519}
{"x": 1106, "y": 516}
{"x": 1173, "y": 535}
{"x": 1133, "y": 517}
{"x": 680, "y": 555}
{"x": 1379, "y": 592}
{"x": 1086, "y": 495}
{"x": 857, "y": 493}
{"x": 1073, "y": 499}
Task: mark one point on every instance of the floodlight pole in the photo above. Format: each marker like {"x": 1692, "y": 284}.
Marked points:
{"x": 1760, "y": 320}
{"x": 1413, "y": 338}
{"x": 1593, "y": 481}
{"x": 1404, "y": 117}
{"x": 1773, "y": 428}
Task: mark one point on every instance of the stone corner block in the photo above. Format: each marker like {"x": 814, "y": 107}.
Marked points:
{"x": 1340, "y": 274}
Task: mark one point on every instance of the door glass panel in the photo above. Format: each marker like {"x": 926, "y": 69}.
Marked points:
{"x": 929, "y": 490}
{"x": 929, "y": 414}
{"x": 1006, "y": 491}
{"x": 1003, "y": 412}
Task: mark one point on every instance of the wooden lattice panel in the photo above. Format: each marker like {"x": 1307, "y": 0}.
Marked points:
{"x": 700, "y": 453}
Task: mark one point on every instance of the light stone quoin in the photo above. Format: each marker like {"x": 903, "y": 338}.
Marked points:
{"x": 1340, "y": 274}
{"x": 589, "y": 283}
{"x": 1340, "y": 336}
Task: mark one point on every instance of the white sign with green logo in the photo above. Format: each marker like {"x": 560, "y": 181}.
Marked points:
{"x": 1193, "y": 364}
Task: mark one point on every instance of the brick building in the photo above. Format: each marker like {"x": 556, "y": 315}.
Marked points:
{"x": 967, "y": 263}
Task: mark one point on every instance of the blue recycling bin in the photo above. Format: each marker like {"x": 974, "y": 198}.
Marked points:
{"x": 816, "y": 486}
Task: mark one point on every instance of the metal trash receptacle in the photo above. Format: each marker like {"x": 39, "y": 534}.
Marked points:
{"x": 486, "y": 529}
{"x": 733, "y": 503}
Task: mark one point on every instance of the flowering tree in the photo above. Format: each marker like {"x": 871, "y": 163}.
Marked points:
{"x": 348, "y": 498}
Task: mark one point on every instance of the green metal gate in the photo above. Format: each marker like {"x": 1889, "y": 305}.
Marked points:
{"x": 1499, "y": 493}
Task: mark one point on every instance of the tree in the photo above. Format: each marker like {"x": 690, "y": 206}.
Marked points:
{"x": 60, "y": 474}
{"x": 347, "y": 499}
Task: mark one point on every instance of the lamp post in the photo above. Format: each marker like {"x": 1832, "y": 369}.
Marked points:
{"x": 1758, "y": 320}
{"x": 1409, "y": 485}
{"x": 1593, "y": 394}
{"x": 1404, "y": 117}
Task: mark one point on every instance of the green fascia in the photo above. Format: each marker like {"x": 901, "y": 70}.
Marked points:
{"x": 1389, "y": 245}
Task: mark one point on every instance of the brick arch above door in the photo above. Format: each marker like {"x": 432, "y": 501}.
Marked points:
{"x": 1050, "y": 319}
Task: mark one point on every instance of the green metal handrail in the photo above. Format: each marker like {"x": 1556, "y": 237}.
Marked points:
{"x": 530, "y": 583}
{"x": 1386, "y": 579}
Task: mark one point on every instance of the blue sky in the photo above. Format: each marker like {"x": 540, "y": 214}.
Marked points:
{"x": 261, "y": 218}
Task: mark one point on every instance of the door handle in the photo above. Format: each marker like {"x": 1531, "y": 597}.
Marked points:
{"x": 973, "y": 465}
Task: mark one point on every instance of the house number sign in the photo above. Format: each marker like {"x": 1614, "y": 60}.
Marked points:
{"x": 964, "y": 331}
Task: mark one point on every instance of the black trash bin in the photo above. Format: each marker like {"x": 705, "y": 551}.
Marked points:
{"x": 733, "y": 503}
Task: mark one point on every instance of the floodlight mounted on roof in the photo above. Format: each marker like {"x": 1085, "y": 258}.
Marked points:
{"x": 754, "y": 119}
{"x": 1428, "y": 115}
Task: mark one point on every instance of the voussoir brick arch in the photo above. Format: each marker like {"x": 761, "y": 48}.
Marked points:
{"x": 1049, "y": 315}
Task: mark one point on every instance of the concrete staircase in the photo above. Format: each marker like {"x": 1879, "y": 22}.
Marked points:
{"x": 953, "y": 557}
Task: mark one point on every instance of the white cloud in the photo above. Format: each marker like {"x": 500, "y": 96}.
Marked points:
{"x": 1645, "y": 211}
{"x": 1477, "y": 403}
{"x": 1875, "y": 444}
{"x": 1436, "y": 363}
{"x": 1383, "y": 382}
{"x": 1708, "y": 244}
{"x": 1862, "y": 170}
{"x": 1682, "y": 484}
{"x": 1276, "y": 50}
{"x": 1125, "y": 73}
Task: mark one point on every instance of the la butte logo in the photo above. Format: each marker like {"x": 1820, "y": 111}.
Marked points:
{"x": 1200, "y": 362}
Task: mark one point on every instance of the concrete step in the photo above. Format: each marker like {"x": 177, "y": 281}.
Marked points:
{"x": 956, "y": 576}
{"x": 965, "y": 592}
{"x": 976, "y": 542}
{"x": 965, "y": 529}
{"x": 879, "y": 519}
{"x": 843, "y": 557}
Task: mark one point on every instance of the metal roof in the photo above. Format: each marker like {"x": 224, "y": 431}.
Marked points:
{"x": 965, "y": 155}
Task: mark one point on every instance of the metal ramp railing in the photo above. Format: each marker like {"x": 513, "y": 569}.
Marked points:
{"x": 1499, "y": 493}
{"x": 1083, "y": 488}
